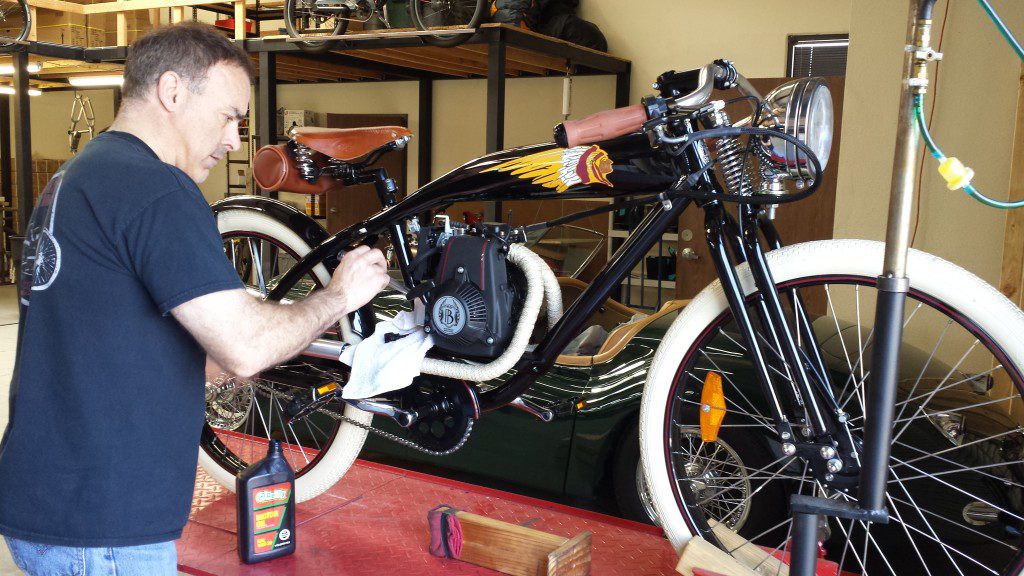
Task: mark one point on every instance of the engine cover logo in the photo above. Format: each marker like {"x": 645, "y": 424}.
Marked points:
{"x": 449, "y": 315}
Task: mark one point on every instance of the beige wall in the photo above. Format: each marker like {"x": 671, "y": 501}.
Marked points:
{"x": 660, "y": 35}
{"x": 974, "y": 120}
{"x": 51, "y": 117}
{"x": 978, "y": 69}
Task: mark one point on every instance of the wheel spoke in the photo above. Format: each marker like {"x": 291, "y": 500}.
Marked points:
{"x": 921, "y": 407}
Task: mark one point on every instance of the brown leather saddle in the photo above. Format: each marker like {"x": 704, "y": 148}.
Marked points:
{"x": 273, "y": 168}
{"x": 348, "y": 144}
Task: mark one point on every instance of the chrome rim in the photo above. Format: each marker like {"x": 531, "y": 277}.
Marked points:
{"x": 955, "y": 490}
{"x": 646, "y": 500}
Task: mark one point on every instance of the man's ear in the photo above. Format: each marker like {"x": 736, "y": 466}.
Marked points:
{"x": 170, "y": 90}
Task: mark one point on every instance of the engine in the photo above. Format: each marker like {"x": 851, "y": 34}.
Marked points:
{"x": 471, "y": 307}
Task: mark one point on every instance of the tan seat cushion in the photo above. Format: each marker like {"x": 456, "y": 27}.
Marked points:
{"x": 620, "y": 336}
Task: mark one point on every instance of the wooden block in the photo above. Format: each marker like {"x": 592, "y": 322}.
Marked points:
{"x": 701, "y": 557}
{"x": 521, "y": 551}
{"x": 748, "y": 553}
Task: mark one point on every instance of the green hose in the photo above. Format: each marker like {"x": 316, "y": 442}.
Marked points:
{"x": 937, "y": 153}
{"x": 1002, "y": 28}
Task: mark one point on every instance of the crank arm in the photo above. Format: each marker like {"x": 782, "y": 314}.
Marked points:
{"x": 404, "y": 418}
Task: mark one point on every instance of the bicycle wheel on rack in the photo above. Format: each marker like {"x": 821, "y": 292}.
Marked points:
{"x": 439, "y": 14}
{"x": 303, "y": 19}
{"x": 241, "y": 417}
{"x": 15, "y": 21}
{"x": 956, "y": 480}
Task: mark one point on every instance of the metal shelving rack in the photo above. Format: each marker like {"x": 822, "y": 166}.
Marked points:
{"x": 494, "y": 52}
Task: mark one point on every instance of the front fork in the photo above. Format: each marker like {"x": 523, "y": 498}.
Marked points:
{"x": 800, "y": 397}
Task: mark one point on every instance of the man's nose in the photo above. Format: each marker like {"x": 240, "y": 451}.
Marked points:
{"x": 232, "y": 141}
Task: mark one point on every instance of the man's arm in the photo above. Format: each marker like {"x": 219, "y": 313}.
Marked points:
{"x": 245, "y": 335}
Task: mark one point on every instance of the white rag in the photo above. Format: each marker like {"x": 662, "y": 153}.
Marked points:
{"x": 379, "y": 366}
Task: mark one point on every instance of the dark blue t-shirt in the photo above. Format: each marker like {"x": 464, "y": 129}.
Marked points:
{"x": 107, "y": 399}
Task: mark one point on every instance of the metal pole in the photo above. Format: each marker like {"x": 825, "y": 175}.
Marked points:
{"x": 5, "y": 152}
{"x": 22, "y": 139}
{"x": 266, "y": 101}
{"x": 426, "y": 130}
{"x": 622, "y": 89}
{"x": 495, "y": 106}
{"x": 893, "y": 284}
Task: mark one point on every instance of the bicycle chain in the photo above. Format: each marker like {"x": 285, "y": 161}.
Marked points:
{"x": 368, "y": 428}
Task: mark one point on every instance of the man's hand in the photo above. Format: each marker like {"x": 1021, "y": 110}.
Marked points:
{"x": 245, "y": 335}
{"x": 361, "y": 275}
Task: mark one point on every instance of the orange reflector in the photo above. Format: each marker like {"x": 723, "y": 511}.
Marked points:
{"x": 580, "y": 405}
{"x": 326, "y": 388}
{"x": 712, "y": 407}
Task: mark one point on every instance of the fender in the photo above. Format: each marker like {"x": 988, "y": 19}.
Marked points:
{"x": 307, "y": 228}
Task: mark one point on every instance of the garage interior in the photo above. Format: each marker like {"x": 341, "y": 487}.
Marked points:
{"x": 530, "y": 490}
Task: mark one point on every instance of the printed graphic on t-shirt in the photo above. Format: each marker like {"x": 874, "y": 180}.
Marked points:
{"x": 40, "y": 262}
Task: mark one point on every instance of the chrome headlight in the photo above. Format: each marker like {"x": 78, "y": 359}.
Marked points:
{"x": 802, "y": 109}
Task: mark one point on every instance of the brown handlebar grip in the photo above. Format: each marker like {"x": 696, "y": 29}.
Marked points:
{"x": 604, "y": 125}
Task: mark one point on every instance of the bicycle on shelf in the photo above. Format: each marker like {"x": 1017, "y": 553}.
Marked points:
{"x": 309, "y": 19}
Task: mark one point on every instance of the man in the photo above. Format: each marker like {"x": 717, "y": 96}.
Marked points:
{"x": 125, "y": 291}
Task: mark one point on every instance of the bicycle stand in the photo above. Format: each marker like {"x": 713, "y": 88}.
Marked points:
{"x": 803, "y": 557}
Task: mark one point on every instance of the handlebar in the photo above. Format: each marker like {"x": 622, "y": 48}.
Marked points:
{"x": 621, "y": 121}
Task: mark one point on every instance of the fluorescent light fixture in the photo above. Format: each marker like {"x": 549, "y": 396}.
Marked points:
{"x": 10, "y": 91}
{"x": 8, "y": 69}
{"x": 92, "y": 81}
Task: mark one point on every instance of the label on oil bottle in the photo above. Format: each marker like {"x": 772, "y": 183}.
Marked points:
{"x": 270, "y": 510}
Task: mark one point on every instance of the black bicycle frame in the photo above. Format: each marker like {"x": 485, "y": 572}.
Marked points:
{"x": 807, "y": 397}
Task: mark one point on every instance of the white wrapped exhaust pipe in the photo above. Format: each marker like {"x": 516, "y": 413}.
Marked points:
{"x": 540, "y": 282}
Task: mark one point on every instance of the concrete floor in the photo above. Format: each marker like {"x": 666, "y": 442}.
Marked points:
{"x": 8, "y": 343}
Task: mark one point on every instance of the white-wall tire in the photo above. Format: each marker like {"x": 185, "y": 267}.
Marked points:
{"x": 349, "y": 439}
{"x": 987, "y": 308}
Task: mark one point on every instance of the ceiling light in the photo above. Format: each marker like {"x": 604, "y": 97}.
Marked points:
{"x": 92, "y": 81}
{"x": 8, "y": 69}
{"x": 10, "y": 90}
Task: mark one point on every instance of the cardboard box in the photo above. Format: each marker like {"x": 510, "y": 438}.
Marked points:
{"x": 137, "y": 23}
{"x": 294, "y": 118}
{"x": 61, "y": 28}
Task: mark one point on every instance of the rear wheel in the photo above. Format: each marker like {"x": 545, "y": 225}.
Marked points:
{"x": 439, "y": 14}
{"x": 241, "y": 417}
{"x": 956, "y": 480}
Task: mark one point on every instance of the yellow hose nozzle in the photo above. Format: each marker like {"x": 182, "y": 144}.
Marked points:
{"x": 955, "y": 173}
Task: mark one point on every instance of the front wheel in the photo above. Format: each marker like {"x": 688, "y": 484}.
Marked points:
{"x": 956, "y": 480}
{"x": 302, "y": 19}
{"x": 439, "y": 14}
{"x": 242, "y": 417}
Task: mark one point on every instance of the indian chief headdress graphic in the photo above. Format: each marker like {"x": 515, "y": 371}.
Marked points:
{"x": 561, "y": 168}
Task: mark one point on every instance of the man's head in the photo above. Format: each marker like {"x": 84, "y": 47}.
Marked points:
{"x": 190, "y": 84}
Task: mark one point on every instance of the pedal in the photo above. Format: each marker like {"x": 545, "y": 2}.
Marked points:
{"x": 304, "y": 405}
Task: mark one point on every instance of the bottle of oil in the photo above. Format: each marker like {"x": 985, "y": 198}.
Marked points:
{"x": 266, "y": 508}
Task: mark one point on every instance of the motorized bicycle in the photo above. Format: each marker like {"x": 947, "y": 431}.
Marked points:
{"x": 309, "y": 19}
{"x": 781, "y": 317}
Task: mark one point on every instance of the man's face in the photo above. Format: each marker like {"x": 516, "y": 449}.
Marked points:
{"x": 208, "y": 122}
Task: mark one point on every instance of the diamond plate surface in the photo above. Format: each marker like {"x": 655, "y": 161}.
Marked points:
{"x": 373, "y": 521}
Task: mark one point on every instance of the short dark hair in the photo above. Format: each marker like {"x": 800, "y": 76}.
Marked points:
{"x": 190, "y": 49}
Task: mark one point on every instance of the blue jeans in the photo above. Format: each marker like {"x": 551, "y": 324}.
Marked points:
{"x": 46, "y": 560}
